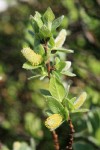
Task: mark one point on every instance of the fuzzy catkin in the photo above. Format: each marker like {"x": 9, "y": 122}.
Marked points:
{"x": 79, "y": 102}
{"x": 31, "y": 56}
{"x": 53, "y": 121}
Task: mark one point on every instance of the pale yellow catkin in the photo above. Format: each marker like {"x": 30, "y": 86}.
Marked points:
{"x": 81, "y": 99}
{"x": 31, "y": 56}
{"x": 53, "y": 121}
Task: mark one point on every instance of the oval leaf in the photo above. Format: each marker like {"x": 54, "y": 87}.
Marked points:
{"x": 28, "y": 66}
{"x": 48, "y": 15}
{"x": 57, "y": 89}
{"x": 55, "y": 106}
{"x": 79, "y": 111}
{"x": 57, "y": 22}
{"x": 62, "y": 50}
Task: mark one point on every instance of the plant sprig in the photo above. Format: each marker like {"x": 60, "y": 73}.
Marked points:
{"x": 45, "y": 61}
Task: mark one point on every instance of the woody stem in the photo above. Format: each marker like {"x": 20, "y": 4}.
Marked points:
{"x": 54, "y": 134}
{"x": 70, "y": 136}
{"x": 55, "y": 139}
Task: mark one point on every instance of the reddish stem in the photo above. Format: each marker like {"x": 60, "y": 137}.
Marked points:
{"x": 70, "y": 137}
{"x": 55, "y": 139}
{"x": 49, "y": 68}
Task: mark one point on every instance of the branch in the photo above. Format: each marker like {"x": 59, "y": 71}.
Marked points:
{"x": 70, "y": 136}
{"x": 55, "y": 139}
{"x": 49, "y": 68}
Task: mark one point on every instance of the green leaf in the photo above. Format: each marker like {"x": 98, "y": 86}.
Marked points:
{"x": 48, "y": 15}
{"x": 62, "y": 50}
{"x": 36, "y": 40}
{"x": 79, "y": 110}
{"x": 35, "y": 76}
{"x": 67, "y": 66}
{"x": 44, "y": 73}
{"x": 67, "y": 73}
{"x": 57, "y": 60}
{"x": 38, "y": 20}
{"x": 66, "y": 113}
{"x": 28, "y": 66}
{"x": 48, "y": 112}
{"x": 59, "y": 66}
{"x": 51, "y": 42}
{"x": 56, "y": 74}
{"x": 73, "y": 99}
{"x": 44, "y": 32}
{"x": 42, "y": 77}
{"x": 57, "y": 22}
{"x": 67, "y": 89}
{"x": 60, "y": 39}
{"x": 69, "y": 104}
{"x": 57, "y": 89}
{"x": 31, "y": 33}
{"x": 45, "y": 92}
{"x": 55, "y": 106}
{"x": 34, "y": 24}
{"x": 40, "y": 50}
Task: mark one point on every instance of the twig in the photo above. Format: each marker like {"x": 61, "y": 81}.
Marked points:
{"x": 55, "y": 139}
{"x": 49, "y": 68}
{"x": 70, "y": 137}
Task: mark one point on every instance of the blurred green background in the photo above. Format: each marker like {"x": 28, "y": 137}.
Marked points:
{"x": 21, "y": 104}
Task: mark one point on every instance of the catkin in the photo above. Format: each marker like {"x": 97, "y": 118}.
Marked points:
{"x": 81, "y": 99}
{"x": 53, "y": 121}
{"x": 31, "y": 56}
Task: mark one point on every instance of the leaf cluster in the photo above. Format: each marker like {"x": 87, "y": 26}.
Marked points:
{"x": 58, "y": 100}
{"x": 44, "y": 27}
{"x": 45, "y": 61}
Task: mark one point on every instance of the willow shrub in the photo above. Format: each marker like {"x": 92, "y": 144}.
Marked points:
{"x": 45, "y": 61}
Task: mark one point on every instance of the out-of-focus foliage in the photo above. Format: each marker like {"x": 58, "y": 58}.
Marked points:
{"x": 21, "y": 104}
